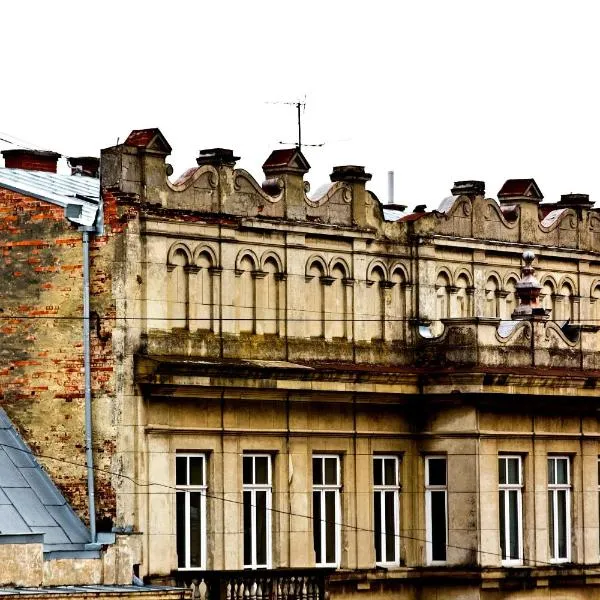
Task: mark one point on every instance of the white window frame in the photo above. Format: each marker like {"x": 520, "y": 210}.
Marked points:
{"x": 505, "y": 507}
{"x": 553, "y": 489}
{"x": 253, "y": 488}
{"x": 382, "y": 490}
{"x": 187, "y": 489}
{"x": 429, "y": 489}
{"x": 321, "y": 489}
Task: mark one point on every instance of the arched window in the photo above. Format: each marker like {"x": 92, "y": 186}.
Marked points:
{"x": 491, "y": 298}
{"x": 462, "y": 297}
{"x": 246, "y": 295}
{"x": 511, "y": 300}
{"x": 203, "y": 297}
{"x": 442, "y": 296}
{"x": 595, "y": 305}
{"x": 270, "y": 298}
{"x": 337, "y": 308}
{"x": 178, "y": 290}
{"x": 375, "y": 304}
{"x": 567, "y": 302}
{"x": 315, "y": 301}
{"x": 548, "y": 294}
{"x": 398, "y": 308}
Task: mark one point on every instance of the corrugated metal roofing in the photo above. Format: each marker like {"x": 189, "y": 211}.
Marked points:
{"x": 58, "y": 189}
{"x": 29, "y": 500}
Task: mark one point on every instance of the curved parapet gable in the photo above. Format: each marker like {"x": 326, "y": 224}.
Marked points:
{"x": 249, "y": 198}
{"x": 333, "y": 206}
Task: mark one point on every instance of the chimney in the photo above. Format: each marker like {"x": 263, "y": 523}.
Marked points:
{"x": 289, "y": 166}
{"x": 85, "y": 165}
{"x": 575, "y": 201}
{"x": 469, "y": 188}
{"x": 390, "y": 187}
{"x": 31, "y": 160}
{"x": 217, "y": 157}
{"x": 519, "y": 192}
{"x": 356, "y": 177}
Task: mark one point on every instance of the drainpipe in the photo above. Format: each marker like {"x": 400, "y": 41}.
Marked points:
{"x": 89, "y": 456}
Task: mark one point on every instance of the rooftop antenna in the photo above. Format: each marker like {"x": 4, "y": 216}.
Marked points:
{"x": 300, "y": 107}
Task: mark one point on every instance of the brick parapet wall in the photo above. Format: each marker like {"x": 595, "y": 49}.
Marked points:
{"x": 41, "y": 347}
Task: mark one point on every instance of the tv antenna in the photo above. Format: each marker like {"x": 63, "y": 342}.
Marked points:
{"x": 300, "y": 108}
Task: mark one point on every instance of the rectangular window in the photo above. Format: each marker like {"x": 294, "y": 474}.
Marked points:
{"x": 559, "y": 508}
{"x": 326, "y": 510}
{"x": 386, "y": 503}
{"x": 190, "y": 482}
{"x": 257, "y": 511}
{"x": 510, "y": 507}
{"x": 436, "y": 508}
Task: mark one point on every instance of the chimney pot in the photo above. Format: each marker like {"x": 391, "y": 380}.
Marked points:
{"x": 350, "y": 174}
{"x": 217, "y": 157}
{"x": 575, "y": 200}
{"x": 468, "y": 188}
{"x": 31, "y": 160}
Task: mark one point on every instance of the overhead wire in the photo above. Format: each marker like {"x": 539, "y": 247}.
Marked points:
{"x": 212, "y": 496}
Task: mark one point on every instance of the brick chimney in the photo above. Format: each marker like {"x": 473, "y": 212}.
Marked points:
{"x": 85, "y": 165}
{"x": 31, "y": 160}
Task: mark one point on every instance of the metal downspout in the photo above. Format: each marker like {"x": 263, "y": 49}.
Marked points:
{"x": 89, "y": 456}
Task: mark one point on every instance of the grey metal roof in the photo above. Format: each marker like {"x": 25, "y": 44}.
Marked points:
{"x": 29, "y": 500}
{"x": 58, "y": 189}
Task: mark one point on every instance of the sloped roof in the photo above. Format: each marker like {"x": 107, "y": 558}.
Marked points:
{"x": 57, "y": 189}
{"x": 29, "y": 500}
{"x": 286, "y": 158}
{"x": 520, "y": 187}
{"x": 149, "y": 138}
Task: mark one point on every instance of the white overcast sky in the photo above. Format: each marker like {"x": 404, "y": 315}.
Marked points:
{"x": 436, "y": 91}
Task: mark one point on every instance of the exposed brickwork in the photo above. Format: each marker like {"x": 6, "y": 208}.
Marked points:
{"x": 41, "y": 347}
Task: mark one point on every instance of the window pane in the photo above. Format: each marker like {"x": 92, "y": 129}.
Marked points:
{"x": 248, "y": 476}
{"x": 513, "y": 470}
{"x": 180, "y": 500}
{"x": 551, "y": 524}
{"x": 551, "y": 471}
{"x": 513, "y": 516}
{"x": 181, "y": 470}
{"x": 247, "y": 527}
{"x": 195, "y": 529}
{"x": 330, "y": 527}
{"x": 377, "y": 471}
{"x": 436, "y": 471}
{"x": 317, "y": 525}
{"x": 261, "y": 527}
{"x": 562, "y": 523}
{"x": 196, "y": 470}
{"x": 390, "y": 471}
{"x": 501, "y": 507}
{"x": 561, "y": 471}
{"x": 261, "y": 469}
{"x": 390, "y": 537}
{"x": 317, "y": 471}
{"x": 377, "y": 511}
{"x": 331, "y": 474}
{"x": 438, "y": 525}
{"x": 502, "y": 471}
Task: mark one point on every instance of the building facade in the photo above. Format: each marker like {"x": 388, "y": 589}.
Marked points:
{"x": 319, "y": 394}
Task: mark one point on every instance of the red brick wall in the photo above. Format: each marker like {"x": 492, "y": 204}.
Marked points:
{"x": 41, "y": 348}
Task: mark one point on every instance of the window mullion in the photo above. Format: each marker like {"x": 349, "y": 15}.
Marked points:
{"x": 188, "y": 530}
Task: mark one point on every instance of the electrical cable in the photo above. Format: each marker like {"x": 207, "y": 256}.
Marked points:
{"x": 534, "y": 562}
